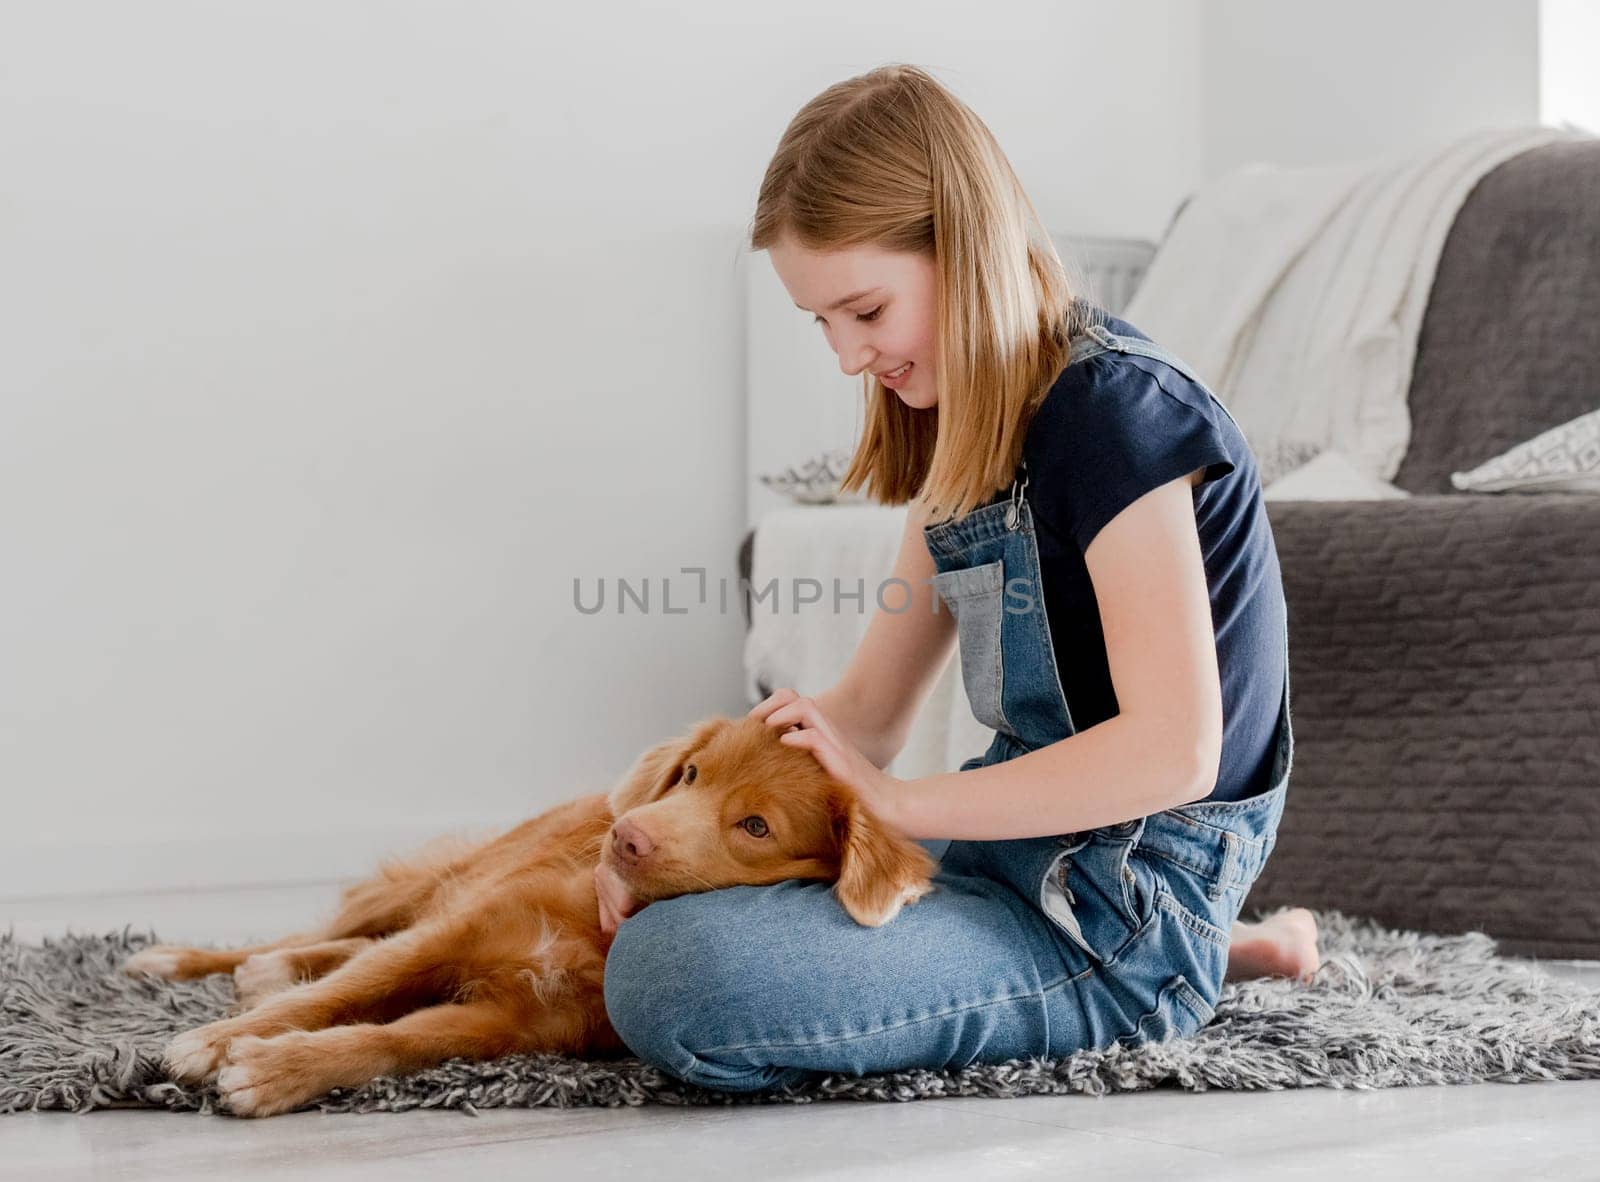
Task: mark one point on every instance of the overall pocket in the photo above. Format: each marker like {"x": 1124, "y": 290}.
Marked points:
{"x": 1179, "y": 1012}
{"x": 975, "y": 597}
{"x": 1101, "y": 896}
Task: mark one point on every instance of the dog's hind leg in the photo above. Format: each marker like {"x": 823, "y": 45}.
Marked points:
{"x": 392, "y": 900}
{"x": 401, "y": 892}
{"x": 267, "y": 973}
{"x": 178, "y": 962}
{"x": 376, "y": 907}
{"x": 303, "y": 955}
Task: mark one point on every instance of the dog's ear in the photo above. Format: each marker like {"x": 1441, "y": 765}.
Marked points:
{"x": 660, "y": 768}
{"x": 880, "y": 870}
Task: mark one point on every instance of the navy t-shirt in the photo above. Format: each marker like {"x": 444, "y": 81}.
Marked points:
{"x": 1112, "y": 428}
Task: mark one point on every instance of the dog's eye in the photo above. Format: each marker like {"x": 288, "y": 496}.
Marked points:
{"x": 754, "y": 826}
{"x": 689, "y": 773}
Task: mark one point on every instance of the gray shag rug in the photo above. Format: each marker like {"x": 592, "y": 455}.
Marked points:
{"x": 1386, "y": 1009}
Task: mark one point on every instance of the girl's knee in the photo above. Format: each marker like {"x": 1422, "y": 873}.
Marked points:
{"x": 656, "y": 977}
{"x": 674, "y": 980}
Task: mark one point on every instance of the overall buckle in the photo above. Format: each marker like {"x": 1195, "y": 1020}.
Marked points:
{"x": 1014, "y": 512}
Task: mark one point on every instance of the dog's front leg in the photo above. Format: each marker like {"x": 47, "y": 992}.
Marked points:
{"x": 266, "y": 1076}
{"x": 387, "y": 978}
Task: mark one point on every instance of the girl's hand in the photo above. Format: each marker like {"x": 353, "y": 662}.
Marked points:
{"x": 806, "y": 726}
{"x": 616, "y": 901}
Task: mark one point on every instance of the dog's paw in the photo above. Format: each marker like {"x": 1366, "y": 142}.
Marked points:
{"x": 262, "y": 975}
{"x": 159, "y": 960}
{"x": 195, "y": 1055}
{"x": 266, "y": 1076}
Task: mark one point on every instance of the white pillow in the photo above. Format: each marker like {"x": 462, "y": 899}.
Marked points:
{"x": 1562, "y": 459}
{"x": 1331, "y": 476}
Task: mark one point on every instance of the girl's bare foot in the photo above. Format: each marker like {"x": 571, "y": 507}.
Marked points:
{"x": 1282, "y": 945}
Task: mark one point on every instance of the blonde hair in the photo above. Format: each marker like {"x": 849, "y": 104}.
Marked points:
{"x": 892, "y": 159}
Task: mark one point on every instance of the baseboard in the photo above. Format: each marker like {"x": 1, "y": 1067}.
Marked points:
{"x": 209, "y": 861}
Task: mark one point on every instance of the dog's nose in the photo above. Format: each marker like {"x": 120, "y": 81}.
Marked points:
{"x": 632, "y": 843}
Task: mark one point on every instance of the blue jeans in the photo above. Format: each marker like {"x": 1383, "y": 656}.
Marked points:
{"x": 750, "y": 988}
{"x": 1030, "y": 947}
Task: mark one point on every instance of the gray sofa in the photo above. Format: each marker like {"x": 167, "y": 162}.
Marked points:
{"x": 1445, "y": 649}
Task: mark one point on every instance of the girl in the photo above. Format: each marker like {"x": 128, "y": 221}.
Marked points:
{"x": 1092, "y": 518}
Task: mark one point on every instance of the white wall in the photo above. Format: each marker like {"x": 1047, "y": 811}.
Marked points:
{"x": 1569, "y": 63}
{"x": 336, "y": 339}
{"x": 1303, "y": 83}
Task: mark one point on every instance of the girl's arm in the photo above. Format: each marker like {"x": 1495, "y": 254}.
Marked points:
{"x": 1163, "y": 747}
{"x": 898, "y": 660}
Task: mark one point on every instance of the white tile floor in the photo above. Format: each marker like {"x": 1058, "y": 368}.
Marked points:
{"x": 1545, "y": 1130}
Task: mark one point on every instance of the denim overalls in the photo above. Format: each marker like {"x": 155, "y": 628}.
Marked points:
{"x": 1031, "y": 947}
{"x": 1145, "y": 905}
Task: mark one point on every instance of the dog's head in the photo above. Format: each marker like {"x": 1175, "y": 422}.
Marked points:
{"x": 729, "y": 804}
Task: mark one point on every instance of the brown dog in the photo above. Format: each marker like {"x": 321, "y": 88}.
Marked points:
{"x": 496, "y": 949}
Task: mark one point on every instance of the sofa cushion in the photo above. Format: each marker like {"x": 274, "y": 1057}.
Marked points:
{"x": 1564, "y": 458}
{"x": 1510, "y": 343}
